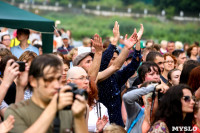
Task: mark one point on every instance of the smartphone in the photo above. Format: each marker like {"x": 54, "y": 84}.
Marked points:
{"x": 21, "y": 66}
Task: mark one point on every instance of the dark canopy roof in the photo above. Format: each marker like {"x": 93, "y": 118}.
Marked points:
{"x": 13, "y": 17}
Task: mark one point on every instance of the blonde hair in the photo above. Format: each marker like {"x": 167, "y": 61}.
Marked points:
{"x": 71, "y": 53}
{"x": 178, "y": 45}
{"x": 113, "y": 128}
{"x": 163, "y": 43}
{"x": 86, "y": 41}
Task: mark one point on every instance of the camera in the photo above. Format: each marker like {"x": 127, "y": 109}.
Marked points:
{"x": 21, "y": 66}
{"x": 76, "y": 91}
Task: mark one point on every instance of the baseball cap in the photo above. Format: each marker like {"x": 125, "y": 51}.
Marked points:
{"x": 80, "y": 57}
{"x": 65, "y": 36}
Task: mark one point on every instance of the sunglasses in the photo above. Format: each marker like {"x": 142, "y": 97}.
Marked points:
{"x": 188, "y": 98}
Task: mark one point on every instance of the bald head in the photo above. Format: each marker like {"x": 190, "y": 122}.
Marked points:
{"x": 75, "y": 72}
{"x": 78, "y": 76}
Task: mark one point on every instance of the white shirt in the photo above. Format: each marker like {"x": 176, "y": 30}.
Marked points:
{"x": 92, "y": 120}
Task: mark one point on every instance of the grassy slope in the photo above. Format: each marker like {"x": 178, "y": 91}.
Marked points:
{"x": 87, "y": 25}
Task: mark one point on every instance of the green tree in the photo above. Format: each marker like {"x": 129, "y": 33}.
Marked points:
{"x": 191, "y": 6}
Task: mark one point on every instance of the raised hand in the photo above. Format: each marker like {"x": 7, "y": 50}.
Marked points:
{"x": 162, "y": 88}
{"x": 129, "y": 43}
{"x": 65, "y": 98}
{"x": 11, "y": 71}
{"x": 116, "y": 34}
{"x": 79, "y": 106}
{"x": 22, "y": 79}
{"x": 140, "y": 33}
{"x": 7, "y": 125}
{"x": 101, "y": 123}
{"x": 97, "y": 43}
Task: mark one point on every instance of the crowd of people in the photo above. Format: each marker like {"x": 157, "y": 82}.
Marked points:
{"x": 114, "y": 85}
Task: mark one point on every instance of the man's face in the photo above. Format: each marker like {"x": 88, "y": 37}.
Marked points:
{"x": 170, "y": 47}
{"x": 65, "y": 41}
{"x": 160, "y": 62}
{"x": 81, "y": 79}
{"x": 47, "y": 86}
{"x": 6, "y": 41}
{"x": 153, "y": 75}
{"x": 86, "y": 63}
{"x": 115, "y": 55}
{"x": 22, "y": 36}
{"x": 181, "y": 58}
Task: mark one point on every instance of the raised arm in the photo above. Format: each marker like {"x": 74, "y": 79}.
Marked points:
{"x": 130, "y": 98}
{"x": 21, "y": 82}
{"x": 108, "y": 53}
{"x": 139, "y": 34}
{"x": 130, "y": 69}
{"x": 78, "y": 109}
{"x": 97, "y": 44}
{"x": 10, "y": 73}
{"x": 120, "y": 59}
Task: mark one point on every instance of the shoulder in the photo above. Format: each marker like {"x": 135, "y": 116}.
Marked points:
{"x": 19, "y": 110}
{"x": 32, "y": 47}
{"x": 14, "y": 47}
{"x": 61, "y": 47}
{"x": 20, "y": 104}
{"x": 103, "y": 107}
{"x": 159, "y": 126}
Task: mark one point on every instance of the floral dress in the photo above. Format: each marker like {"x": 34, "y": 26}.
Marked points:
{"x": 159, "y": 127}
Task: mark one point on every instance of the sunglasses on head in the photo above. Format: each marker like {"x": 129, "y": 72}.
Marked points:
{"x": 189, "y": 98}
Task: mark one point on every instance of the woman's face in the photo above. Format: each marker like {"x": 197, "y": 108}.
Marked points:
{"x": 152, "y": 75}
{"x": 169, "y": 63}
{"x": 194, "y": 51}
{"x": 64, "y": 74}
{"x": 187, "y": 101}
{"x": 175, "y": 77}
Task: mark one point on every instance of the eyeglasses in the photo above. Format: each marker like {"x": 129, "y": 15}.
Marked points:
{"x": 188, "y": 98}
{"x": 82, "y": 78}
{"x": 6, "y": 39}
{"x": 169, "y": 61}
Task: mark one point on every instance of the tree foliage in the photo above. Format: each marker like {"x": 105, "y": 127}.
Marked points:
{"x": 191, "y": 6}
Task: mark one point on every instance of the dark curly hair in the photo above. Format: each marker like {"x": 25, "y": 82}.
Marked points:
{"x": 170, "y": 108}
{"x": 146, "y": 67}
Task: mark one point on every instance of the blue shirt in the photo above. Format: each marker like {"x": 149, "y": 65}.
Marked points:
{"x": 18, "y": 51}
{"x": 110, "y": 89}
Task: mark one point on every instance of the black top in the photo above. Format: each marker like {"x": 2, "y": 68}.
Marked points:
{"x": 11, "y": 94}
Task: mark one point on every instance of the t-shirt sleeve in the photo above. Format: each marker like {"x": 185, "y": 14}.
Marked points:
{"x": 19, "y": 125}
{"x": 3, "y": 105}
{"x": 159, "y": 127}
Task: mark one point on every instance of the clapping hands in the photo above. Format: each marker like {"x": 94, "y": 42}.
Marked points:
{"x": 101, "y": 123}
{"x": 129, "y": 43}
